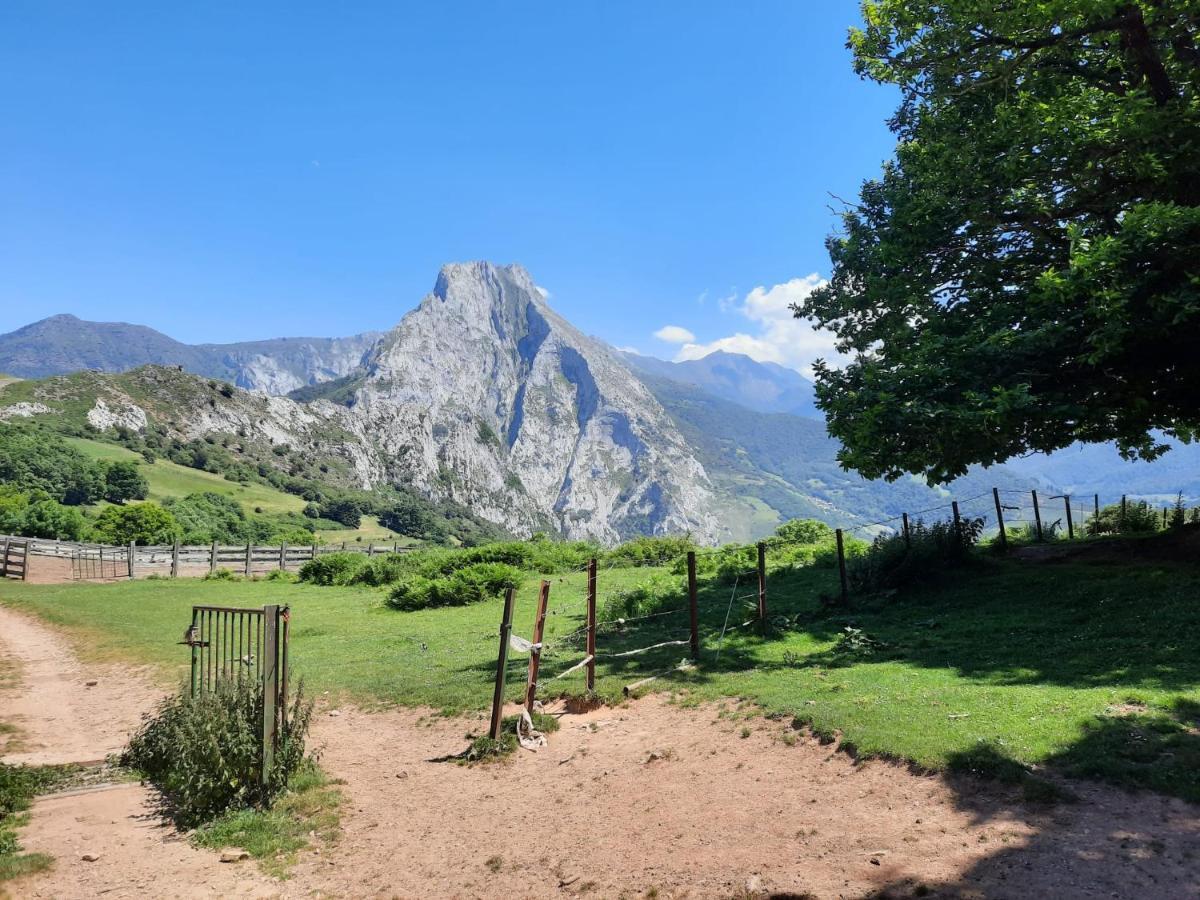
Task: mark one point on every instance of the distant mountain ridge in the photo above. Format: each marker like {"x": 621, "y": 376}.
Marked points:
{"x": 64, "y": 343}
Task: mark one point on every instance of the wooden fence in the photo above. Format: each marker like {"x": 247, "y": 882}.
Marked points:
{"x": 104, "y": 561}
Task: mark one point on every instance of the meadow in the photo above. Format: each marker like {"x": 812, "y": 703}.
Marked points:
{"x": 1007, "y": 668}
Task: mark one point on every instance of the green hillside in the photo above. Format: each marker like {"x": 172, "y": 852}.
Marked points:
{"x": 168, "y": 479}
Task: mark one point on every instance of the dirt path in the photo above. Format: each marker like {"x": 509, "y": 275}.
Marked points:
{"x": 657, "y": 798}
{"x": 649, "y": 799}
{"x": 66, "y": 712}
{"x": 64, "y": 717}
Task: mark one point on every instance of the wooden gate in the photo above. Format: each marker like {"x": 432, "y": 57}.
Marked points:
{"x": 100, "y": 563}
{"x": 14, "y": 559}
{"x": 246, "y": 645}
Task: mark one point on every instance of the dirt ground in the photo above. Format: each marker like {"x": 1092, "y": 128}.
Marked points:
{"x": 650, "y": 799}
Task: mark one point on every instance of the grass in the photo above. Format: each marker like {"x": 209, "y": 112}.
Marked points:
{"x": 18, "y": 786}
{"x": 168, "y": 479}
{"x": 1088, "y": 669}
{"x": 369, "y": 531}
{"x": 308, "y": 811}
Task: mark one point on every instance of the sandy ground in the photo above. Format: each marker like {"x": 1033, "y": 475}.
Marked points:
{"x": 646, "y": 800}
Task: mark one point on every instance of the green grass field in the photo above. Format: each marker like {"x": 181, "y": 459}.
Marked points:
{"x": 168, "y": 479}
{"x": 1088, "y": 669}
{"x": 369, "y": 531}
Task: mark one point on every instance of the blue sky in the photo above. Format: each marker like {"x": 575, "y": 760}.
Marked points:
{"x": 224, "y": 173}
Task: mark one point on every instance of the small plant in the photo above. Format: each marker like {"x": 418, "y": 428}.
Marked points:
{"x": 854, "y": 645}
{"x": 205, "y": 752}
{"x": 332, "y": 568}
{"x": 494, "y": 863}
{"x": 221, "y": 575}
{"x": 473, "y": 584}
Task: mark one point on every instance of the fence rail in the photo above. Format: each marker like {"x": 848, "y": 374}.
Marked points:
{"x": 107, "y": 561}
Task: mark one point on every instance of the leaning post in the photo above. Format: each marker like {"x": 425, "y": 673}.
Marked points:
{"x": 1000, "y": 519}
{"x": 693, "y": 609}
{"x": 841, "y": 555}
{"x": 1037, "y": 515}
{"x": 502, "y": 664}
{"x": 591, "y": 624}
{"x": 762, "y": 581}
{"x": 1070, "y": 521}
{"x": 535, "y": 653}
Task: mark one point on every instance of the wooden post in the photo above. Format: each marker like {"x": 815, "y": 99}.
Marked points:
{"x": 907, "y": 533}
{"x": 1070, "y": 522}
{"x": 501, "y": 664}
{"x": 175, "y": 559}
{"x": 101, "y": 549}
{"x": 957, "y": 524}
{"x": 535, "y": 655}
{"x": 1037, "y": 516}
{"x": 370, "y": 550}
{"x": 4, "y": 560}
{"x": 282, "y": 557}
{"x": 693, "y": 607}
{"x": 1000, "y": 520}
{"x": 762, "y": 581}
{"x": 1096, "y": 512}
{"x": 312, "y": 552}
{"x": 212, "y": 558}
{"x": 1164, "y": 526}
{"x": 130, "y": 558}
{"x": 1121, "y": 524}
{"x": 343, "y": 546}
{"x": 269, "y": 667}
{"x": 591, "y": 625}
{"x": 248, "y": 556}
{"x": 841, "y": 552}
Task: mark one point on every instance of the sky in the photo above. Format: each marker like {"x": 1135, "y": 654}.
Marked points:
{"x": 225, "y": 171}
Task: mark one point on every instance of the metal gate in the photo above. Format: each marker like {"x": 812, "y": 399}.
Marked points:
{"x": 247, "y": 645}
{"x": 100, "y": 563}
{"x": 14, "y": 559}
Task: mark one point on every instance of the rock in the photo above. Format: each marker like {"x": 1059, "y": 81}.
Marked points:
{"x": 754, "y": 885}
{"x": 335, "y": 712}
{"x": 233, "y": 854}
{"x": 90, "y": 857}
{"x": 401, "y": 774}
{"x": 90, "y": 683}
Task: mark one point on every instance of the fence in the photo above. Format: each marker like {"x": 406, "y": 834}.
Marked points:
{"x": 246, "y": 645}
{"x": 744, "y": 570}
{"x": 14, "y": 557}
{"x": 103, "y": 561}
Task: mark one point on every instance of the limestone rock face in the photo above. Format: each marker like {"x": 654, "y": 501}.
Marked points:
{"x": 485, "y": 395}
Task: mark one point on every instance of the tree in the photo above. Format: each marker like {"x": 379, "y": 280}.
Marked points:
{"x": 209, "y": 516}
{"x": 408, "y": 516}
{"x": 47, "y": 518}
{"x": 1026, "y": 272}
{"x": 142, "y": 523}
{"x": 124, "y": 481}
{"x": 345, "y": 511}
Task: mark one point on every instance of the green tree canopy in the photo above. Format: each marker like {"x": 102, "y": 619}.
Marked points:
{"x": 124, "y": 481}
{"x": 36, "y": 460}
{"x": 142, "y": 523}
{"x": 1026, "y": 272}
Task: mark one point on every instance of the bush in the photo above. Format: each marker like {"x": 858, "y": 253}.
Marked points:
{"x": 658, "y": 593}
{"x": 891, "y": 562}
{"x": 804, "y": 531}
{"x": 204, "y": 752}
{"x": 123, "y": 481}
{"x": 649, "y": 551}
{"x": 472, "y": 584}
{"x": 1139, "y": 518}
{"x": 332, "y": 568}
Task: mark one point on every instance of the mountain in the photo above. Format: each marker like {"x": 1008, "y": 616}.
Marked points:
{"x": 64, "y": 343}
{"x": 1087, "y": 469}
{"x": 760, "y": 386}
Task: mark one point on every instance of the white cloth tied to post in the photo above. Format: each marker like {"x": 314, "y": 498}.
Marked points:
{"x": 527, "y": 736}
{"x": 521, "y": 645}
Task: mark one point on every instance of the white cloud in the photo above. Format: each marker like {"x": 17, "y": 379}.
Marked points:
{"x": 634, "y": 350}
{"x": 545, "y": 294}
{"x": 778, "y": 337}
{"x": 674, "y": 334}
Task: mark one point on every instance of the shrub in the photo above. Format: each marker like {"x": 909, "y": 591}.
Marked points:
{"x": 1139, "y": 518}
{"x": 142, "y": 523}
{"x": 658, "y": 593}
{"x": 124, "y": 481}
{"x": 472, "y": 584}
{"x": 649, "y": 551}
{"x": 204, "y": 752}
{"x": 804, "y": 531}
{"x": 891, "y": 562}
{"x": 332, "y": 568}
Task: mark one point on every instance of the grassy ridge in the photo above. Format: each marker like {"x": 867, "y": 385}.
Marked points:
{"x": 1089, "y": 668}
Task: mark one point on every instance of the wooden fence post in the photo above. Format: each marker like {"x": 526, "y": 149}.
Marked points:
{"x": 535, "y": 655}
{"x": 343, "y": 546}
{"x": 370, "y": 549}
{"x": 1096, "y": 512}
{"x": 100, "y": 554}
{"x": 248, "y": 555}
{"x": 693, "y": 608}
{"x": 907, "y": 533}
{"x": 1000, "y": 520}
{"x": 1037, "y": 516}
{"x": 4, "y": 560}
{"x": 1121, "y": 524}
{"x": 312, "y": 552}
{"x": 175, "y": 559}
{"x": 957, "y": 524}
{"x": 212, "y": 558}
{"x": 841, "y": 553}
{"x": 502, "y": 664}
{"x": 591, "y": 624}
{"x": 1070, "y": 522}
{"x": 762, "y": 581}
{"x": 130, "y": 558}
{"x": 282, "y": 557}
{"x": 270, "y": 685}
